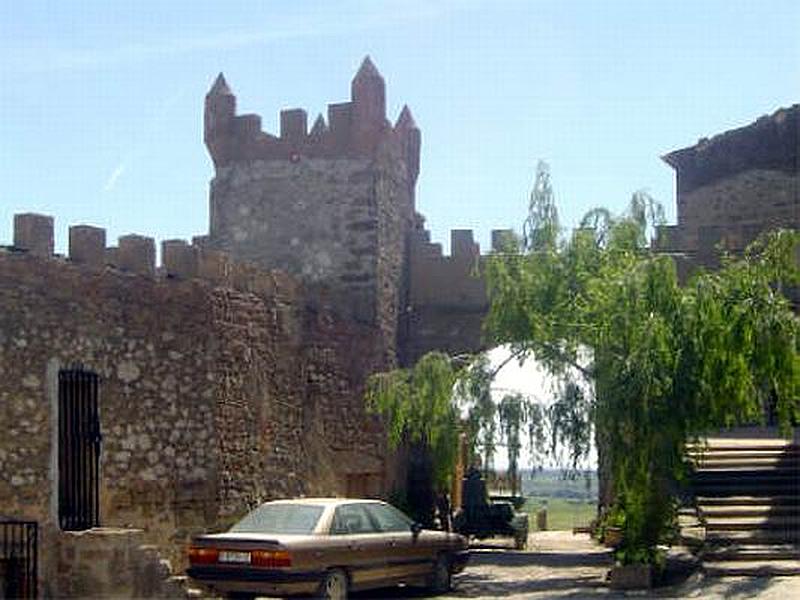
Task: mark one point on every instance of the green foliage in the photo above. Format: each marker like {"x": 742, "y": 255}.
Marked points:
{"x": 562, "y": 514}
{"x": 474, "y": 392}
{"x": 513, "y": 412}
{"x": 541, "y": 227}
{"x": 644, "y": 364}
{"x": 667, "y": 362}
{"x": 417, "y": 405}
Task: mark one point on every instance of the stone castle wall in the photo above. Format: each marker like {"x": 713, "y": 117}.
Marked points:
{"x": 221, "y": 385}
{"x": 227, "y": 381}
{"x": 447, "y": 299}
{"x": 734, "y": 186}
{"x": 331, "y": 206}
{"x": 732, "y": 212}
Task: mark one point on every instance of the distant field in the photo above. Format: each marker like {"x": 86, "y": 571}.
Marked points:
{"x": 571, "y": 501}
{"x": 552, "y": 483}
{"x": 562, "y": 513}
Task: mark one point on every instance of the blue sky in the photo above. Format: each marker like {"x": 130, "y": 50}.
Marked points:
{"x": 101, "y": 102}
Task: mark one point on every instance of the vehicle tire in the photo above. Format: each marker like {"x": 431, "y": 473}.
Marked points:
{"x": 334, "y": 586}
{"x": 521, "y": 540}
{"x": 441, "y": 579}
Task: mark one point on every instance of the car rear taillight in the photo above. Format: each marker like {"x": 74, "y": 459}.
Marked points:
{"x": 270, "y": 558}
{"x": 203, "y": 556}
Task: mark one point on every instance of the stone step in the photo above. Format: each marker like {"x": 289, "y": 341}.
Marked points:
{"x": 729, "y": 486}
{"x": 753, "y": 552}
{"x": 751, "y": 510}
{"x": 752, "y": 523}
{"x": 753, "y": 568}
{"x": 733, "y": 448}
{"x": 749, "y": 455}
{"x": 739, "y": 463}
{"x": 789, "y": 451}
{"x": 743, "y": 443}
{"x": 773, "y": 473}
{"x": 742, "y": 500}
{"x": 757, "y": 536}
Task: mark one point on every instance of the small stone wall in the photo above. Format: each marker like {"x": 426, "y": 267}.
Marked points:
{"x": 216, "y": 393}
{"x": 111, "y": 563}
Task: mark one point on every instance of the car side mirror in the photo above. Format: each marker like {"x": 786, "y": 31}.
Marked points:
{"x": 416, "y": 528}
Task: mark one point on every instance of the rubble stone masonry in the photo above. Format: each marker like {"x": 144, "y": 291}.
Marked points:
{"x": 212, "y": 398}
{"x": 234, "y": 372}
{"x": 736, "y": 185}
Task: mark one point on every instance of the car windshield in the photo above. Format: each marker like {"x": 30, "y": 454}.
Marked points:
{"x": 280, "y": 518}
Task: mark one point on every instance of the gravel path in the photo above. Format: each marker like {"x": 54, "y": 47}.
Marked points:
{"x": 562, "y": 565}
{"x": 559, "y": 565}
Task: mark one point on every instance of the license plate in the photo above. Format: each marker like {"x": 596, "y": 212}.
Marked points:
{"x": 228, "y": 556}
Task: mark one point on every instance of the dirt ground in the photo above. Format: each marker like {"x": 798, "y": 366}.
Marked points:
{"x": 561, "y": 565}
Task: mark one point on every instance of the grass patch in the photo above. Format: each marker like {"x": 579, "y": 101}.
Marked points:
{"x": 562, "y": 513}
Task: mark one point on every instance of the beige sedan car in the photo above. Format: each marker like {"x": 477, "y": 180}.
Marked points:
{"x": 327, "y": 547}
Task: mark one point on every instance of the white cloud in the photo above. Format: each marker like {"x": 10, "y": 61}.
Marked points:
{"x": 111, "y": 182}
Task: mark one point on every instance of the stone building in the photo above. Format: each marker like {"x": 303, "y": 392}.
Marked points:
{"x": 216, "y": 385}
{"x": 735, "y": 185}
{"x": 159, "y": 401}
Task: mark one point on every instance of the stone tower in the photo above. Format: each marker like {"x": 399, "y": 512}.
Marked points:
{"x": 736, "y": 185}
{"x": 332, "y": 205}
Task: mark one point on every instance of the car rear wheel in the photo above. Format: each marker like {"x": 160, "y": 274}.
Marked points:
{"x": 441, "y": 580}
{"x": 334, "y": 586}
{"x": 521, "y": 540}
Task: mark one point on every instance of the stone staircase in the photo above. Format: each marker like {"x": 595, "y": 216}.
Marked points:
{"x": 747, "y": 493}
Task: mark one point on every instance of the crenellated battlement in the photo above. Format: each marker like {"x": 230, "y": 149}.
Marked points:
{"x": 462, "y": 244}
{"x": 358, "y": 128}
{"x": 447, "y": 298}
{"x": 33, "y": 235}
{"x": 454, "y": 279}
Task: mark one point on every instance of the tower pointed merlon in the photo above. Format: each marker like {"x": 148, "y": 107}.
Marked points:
{"x": 368, "y": 94}
{"x": 367, "y": 69}
{"x": 218, "y": 117}
{"x": 220, "y": 87}
{"x": 411, "y": 138}
{"x": 406, "y": 120}
{"x": 319, "y": 127}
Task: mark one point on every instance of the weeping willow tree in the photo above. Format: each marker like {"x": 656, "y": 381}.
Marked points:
{"x": 646, "y": 364}
{"x": 667, "y": 362}
{"x": 474, "y": 394}
{"x": 418, "y": 407}
{"x": 513, "y": 412}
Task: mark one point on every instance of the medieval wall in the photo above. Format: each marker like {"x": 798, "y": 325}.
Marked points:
{"x": 736, "y": 185}
{"x": 447, "y": 297}
{"x": 330, "y": 206}
{"x": 222, "y": 385}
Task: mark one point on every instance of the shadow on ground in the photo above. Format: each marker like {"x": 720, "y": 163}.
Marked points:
{"x": 509, "y": 559}
{"x": 472, "y": 585}
{"x": 751, "y": 587}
